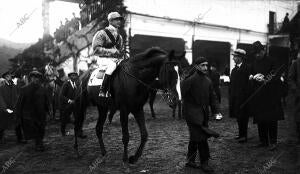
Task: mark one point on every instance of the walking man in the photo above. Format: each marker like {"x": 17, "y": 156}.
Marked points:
{"x": 198, "y": 95}
{"x": 32, "y": 110}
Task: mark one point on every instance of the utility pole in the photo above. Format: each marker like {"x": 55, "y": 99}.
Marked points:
{"x": 45, "y": 15}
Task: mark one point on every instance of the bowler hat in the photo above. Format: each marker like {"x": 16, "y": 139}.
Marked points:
{"x": 35, "y": 74}
{"x": 239, "y": 52}
{"x": 114, "y": 15}
{"x": 200, "y": 60}
{"x": 72, "y": 73}
{"x": 257, "y": 46}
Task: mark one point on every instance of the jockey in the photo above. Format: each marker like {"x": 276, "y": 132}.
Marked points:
{"x": 108, "y": 47}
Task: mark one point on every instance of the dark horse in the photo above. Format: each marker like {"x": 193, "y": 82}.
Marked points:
{"x": 172, "y": 100}
{"x": 130, "y": 89}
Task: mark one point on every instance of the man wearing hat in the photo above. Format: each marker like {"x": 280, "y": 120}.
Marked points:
{"x": 108, "y": 48}
{"x": 32, "y": 109}
{"x": 68, "y": 97}
{"x": 266, "y": 92}
{"x": 239, "y": 92}
{"x": 8, "y": 101}
{"x": 198, "y": 95}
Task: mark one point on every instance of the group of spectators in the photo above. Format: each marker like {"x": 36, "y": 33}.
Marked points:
{"x": 67, "y": 29}
{"x": 26, "y": 106}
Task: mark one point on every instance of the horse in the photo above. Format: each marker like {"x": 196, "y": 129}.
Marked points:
{"x": 129, "y": 87}
{"x": 172, "y": 100}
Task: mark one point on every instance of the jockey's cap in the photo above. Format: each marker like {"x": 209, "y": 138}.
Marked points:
{"x": 114, "y": 15}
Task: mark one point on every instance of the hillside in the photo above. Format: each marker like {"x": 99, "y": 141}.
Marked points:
{"x": 9, "y": 50}
{"x": 7, "y": 53}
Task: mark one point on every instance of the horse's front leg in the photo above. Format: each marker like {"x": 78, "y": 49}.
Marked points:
{"x": 125, "y": 133}
{"x": 140, "y": 119}
{"x": 102, "y": 111}
{"x": 152, "y": 95}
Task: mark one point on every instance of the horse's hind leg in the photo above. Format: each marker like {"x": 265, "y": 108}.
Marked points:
{"x": 102, "y": 111}
{"x": 140, "y": 119}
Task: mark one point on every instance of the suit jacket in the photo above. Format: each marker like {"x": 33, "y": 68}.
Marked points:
{"x": 68, "y": 93}
{"x": 238, "y": 90}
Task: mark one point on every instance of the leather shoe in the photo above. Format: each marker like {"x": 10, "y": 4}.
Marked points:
{"x": 261, "y": 145}
{"x": 192, "y": 165}
{"x": 237, "y": 137}
{"x": 22, "y": 142}
{"x": 273, "y": 147}
{"x": 242, "y": 140}
{"x": 206, "y": 168}
{"x": 82, "y": 136}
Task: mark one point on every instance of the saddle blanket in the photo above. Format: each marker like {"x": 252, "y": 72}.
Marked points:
{"x": 96, "y": 77}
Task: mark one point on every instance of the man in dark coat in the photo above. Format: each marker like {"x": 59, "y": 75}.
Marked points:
{"x": 8, "y": 101}
{"x": 198, "y": 94}
{"x": 266, "y": 104}
{"x": 238, "y": 93}
{"x": 68, "y": 97}
{"x": 294, "y": 83}
{"x": 33, "y": 108}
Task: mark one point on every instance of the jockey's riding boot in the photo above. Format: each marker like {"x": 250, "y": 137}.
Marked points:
{"x": 104, "y": 87}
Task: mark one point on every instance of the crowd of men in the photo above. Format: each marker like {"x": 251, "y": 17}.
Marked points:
{"x": 26, "y": 106}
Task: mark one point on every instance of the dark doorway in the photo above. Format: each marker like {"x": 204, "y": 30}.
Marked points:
{"x": 139, "y": 43}
{"x": 217, "y": 53}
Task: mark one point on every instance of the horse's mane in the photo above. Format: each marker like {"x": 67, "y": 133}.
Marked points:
{"x": 150, "y": 56}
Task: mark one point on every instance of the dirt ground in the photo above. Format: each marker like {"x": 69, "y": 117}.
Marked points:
{"x": 164, "y": 153}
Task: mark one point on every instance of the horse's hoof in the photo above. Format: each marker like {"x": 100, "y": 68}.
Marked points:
{"x": 132, "y": 160}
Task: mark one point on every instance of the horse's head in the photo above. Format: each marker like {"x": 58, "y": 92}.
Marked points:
{"x": 169, "y": 78}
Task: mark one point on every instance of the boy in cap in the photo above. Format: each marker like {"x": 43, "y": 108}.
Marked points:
{"x": 198, "y": 95}
{"x": 108, "y": 47}
{"x": 8, "y": 101}
{"x": 33, "y": 108}
{"x": 238, "y": 93}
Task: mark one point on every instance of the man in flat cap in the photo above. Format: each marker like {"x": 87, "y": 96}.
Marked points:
{"x": 198, "y": 95}
{"x": 239, "y": 92}
{"x": 69, "y": 97}
{"x": 8, "y": 101}
{"x": 108, "y": 48}
{"x": 267, "y": 89}
{"x": 32, "y": 109}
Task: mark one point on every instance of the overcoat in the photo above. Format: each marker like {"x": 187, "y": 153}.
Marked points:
{"x": 198, "y": 95}
{"x": 294, "y": 83}
{"x": 239, "y": 90}
{"x": 8, "y": 100}
{"x": 32, "y": 109}
{"x": 266, "y": 103}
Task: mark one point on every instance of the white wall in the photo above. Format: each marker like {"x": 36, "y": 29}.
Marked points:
{"x": 237, "y": 21}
